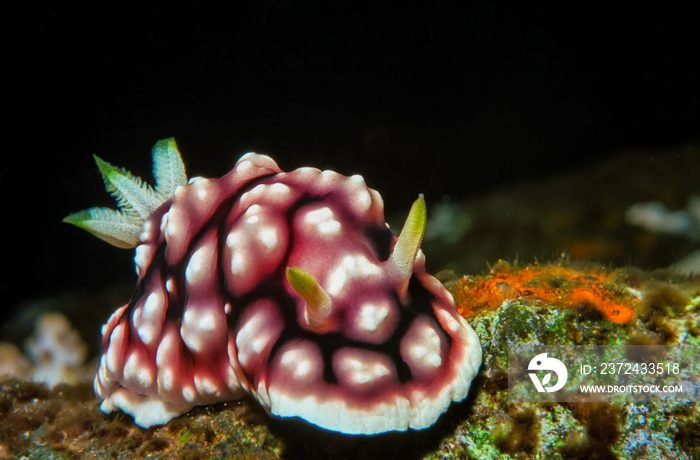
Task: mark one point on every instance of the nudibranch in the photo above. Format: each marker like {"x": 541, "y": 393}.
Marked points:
{"x": 288, "y": 286}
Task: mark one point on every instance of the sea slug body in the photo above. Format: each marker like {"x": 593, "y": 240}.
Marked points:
{"x": 287, "y": 286}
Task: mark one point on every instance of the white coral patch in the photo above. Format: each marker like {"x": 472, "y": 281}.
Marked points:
{"x": 350, "y": 267}
{"x": 324, "y": 220}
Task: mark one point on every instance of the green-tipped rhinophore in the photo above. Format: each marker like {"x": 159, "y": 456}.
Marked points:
{"x": 408, "y": 243}
{"x": 318, "y": 304}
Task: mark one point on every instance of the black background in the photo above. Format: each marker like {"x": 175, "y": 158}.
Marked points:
{"x": 447, "y": 98}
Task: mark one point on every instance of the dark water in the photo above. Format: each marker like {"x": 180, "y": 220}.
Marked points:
{"x": 442, "y": 99}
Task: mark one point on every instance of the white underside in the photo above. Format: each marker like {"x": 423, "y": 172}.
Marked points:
{"x": 146, "y": 410}
{"x": 415, "y": 410}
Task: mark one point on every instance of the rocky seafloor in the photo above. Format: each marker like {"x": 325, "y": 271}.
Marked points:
{"x": 65, "y": 422}
{"x": 510, "y": 304}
